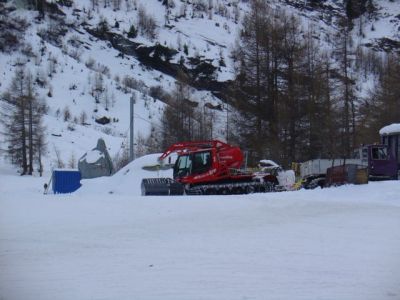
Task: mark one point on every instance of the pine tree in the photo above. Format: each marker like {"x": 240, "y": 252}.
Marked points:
{"x": 344, "y": 52}
{"x": 22, "y": 122}
{"x": 182, "y": 121}
{"x": 381, "y": 108}
{"x": 253, "y": 122}
{"x": 294, "y": 99}
{"x": 285, "y": 108}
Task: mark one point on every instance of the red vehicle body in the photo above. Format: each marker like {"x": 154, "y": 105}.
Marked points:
{"x": 200, "y": 162}
{"x": 205, "y": 167}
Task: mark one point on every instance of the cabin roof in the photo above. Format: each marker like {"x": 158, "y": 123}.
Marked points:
{"x": 390, "y": 129}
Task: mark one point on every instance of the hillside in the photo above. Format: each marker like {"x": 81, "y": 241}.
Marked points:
{"x": 84, "y": 62}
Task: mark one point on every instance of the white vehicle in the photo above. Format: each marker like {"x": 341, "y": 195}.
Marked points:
{"x": 285, "y": 178}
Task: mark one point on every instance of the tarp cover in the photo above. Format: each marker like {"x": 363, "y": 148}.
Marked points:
{"x": 96, "y": 162}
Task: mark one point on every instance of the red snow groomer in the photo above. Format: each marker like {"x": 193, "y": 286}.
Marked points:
{"x": 207, "y": 168}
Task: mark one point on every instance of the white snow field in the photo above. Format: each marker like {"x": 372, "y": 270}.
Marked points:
{"x": 107, "y": 242}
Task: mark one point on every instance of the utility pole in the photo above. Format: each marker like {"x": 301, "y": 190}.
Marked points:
{"x": 227, "y": 123}
{"x": 132, "y": 119}
{"x": 167, "y": 12}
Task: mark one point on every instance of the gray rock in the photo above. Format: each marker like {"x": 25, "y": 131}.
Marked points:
{"x": 96, "y": 163}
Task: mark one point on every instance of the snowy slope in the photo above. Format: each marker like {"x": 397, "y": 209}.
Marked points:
{"x": 70, "y": 80}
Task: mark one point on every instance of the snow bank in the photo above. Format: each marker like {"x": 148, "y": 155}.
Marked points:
{"x": 127, "y": 180}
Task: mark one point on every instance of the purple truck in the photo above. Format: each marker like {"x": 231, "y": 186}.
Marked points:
{"x": 390, "y": 136}
{"x": 380, "y": 161}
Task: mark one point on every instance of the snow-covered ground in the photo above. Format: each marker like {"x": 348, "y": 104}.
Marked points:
{"x": 107, "y": 242}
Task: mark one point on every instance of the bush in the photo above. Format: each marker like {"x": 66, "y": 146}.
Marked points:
{"x": 66, "y": 114}
{"x": 121, "y": 159}
{"x": 157, "y": 92}
{"x": 11, "y": 32}
{"x": 132, "y": 32}
{"x": 103, "y": 26}
{"x": 129, "y": 83}
{"x": 146, "y": 24}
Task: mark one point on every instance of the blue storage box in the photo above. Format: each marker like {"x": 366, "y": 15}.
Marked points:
{"x": 66, "y": 181}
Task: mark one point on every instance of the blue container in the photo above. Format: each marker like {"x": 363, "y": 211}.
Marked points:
{"x": 66, "y": 181}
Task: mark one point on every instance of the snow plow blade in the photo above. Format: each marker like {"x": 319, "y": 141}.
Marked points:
{"x": 161, "y": 187}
